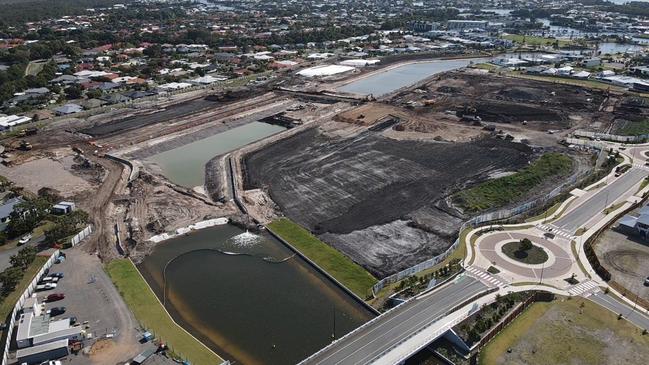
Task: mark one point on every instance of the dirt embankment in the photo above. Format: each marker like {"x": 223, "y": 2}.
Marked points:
{"x": 369, "y": 196}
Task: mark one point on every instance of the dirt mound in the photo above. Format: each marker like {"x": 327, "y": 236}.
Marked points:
{"x": 524, "y": 94}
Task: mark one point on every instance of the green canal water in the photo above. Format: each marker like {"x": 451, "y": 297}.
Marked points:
{"x": 185, "y": 165}
{"x": 249, "y": 302}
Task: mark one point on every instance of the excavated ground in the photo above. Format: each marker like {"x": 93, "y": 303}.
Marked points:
{"x": 541, "y": 105}
{"x": 375, "y": 198}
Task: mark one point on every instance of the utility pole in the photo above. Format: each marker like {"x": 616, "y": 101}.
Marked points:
{"x": 333, "y": 335}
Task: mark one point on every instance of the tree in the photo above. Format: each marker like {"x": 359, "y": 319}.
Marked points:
{"x": 73, "y": 92}
{"x": 9, "y": 278}
{"x": 526, "y": 244}
{"x": 23, "y": 258}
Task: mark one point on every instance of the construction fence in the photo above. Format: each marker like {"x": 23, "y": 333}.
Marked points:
{"x": 81, "y": 235}
{"x": 611, "y": 137}
{"x": 499, "y": 215}
{"x": 19, "y": 304}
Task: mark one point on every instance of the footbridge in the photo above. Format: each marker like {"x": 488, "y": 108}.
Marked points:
{"x": 401, "y": 332}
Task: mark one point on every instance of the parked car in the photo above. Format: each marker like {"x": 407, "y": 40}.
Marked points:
{"x": 73, "y": 321}
{"x": 56, "y": 311}
{"x": 51, "y": 362}
{"x": 646, "y": 281}
{"x": 49, "y": 279}
{"x": 54, "y": 297}
{"x": 57, "y": 275}
{"x": 24, "y": 239}
{"x": 46, "y": 286}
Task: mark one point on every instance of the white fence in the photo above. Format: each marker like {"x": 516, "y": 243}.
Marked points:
{"x": 81, "y": 235}
{"x": 26, "y": 294}
{"x": 476, "y": 221}
{"x": 612, "y": 137}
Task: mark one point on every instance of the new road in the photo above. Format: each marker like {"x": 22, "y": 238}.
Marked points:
{"x": 380, "y": 335}
{"x": 596, "y": 204}
{"x": 633, "y": 315}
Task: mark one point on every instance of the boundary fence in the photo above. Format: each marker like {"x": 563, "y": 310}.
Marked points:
{"x": 474, "y": 222}
{"x": 81, "y": 235}
{"x": 611, "y": 137}
{"x": 26, "y": 294}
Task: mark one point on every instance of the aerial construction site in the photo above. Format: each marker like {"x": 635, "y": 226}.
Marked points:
{"x": 385, "y": 177}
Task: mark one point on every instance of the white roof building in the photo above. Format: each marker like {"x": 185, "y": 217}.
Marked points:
{"x": 325, "y": 70}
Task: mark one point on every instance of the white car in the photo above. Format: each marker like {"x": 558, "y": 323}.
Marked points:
{"x": 57, "y": 362}
{"x": 46, "y": 286}
{"x": 25, "y": 239}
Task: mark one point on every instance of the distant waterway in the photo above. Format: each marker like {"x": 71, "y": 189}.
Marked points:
{"x": 385, "y": 82}
{"x": 185, "y": 165}
{"x": 248, "y": 297}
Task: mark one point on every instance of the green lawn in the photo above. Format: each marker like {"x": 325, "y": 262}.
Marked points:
{"x": 34, "y": 68}
{"x": 534, "y": 256}
{"x": 634, "y": 128}
{"x": 346, "y": 271}
{"x": 505, "y": 190}
{"x": 573, "y": 331}
{"x": 535, "y": 41}
{"x": 9, "y": 302}
{"x": 149, "y": 312}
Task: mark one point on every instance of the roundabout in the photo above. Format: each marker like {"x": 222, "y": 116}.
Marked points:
{"x": 544, "y": 259}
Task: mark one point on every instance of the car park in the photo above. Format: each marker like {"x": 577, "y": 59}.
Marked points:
{"x": 54, "y": 297}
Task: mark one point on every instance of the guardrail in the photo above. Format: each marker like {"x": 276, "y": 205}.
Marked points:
{"x": 26, "y": 294}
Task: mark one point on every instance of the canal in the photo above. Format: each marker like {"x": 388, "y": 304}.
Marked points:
{"x": 248, "y": 297}
{"x": 387, "y": 81}
{"x": 185, "y": 165}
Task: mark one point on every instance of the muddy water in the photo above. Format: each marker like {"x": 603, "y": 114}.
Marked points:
{"x": 390, "y": 80}
{"x": 185, "y": 165}
{"x": 249, "y": 306}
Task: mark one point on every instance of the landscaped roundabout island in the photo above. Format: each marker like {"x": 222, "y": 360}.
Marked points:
{"x": 525, "y": 251}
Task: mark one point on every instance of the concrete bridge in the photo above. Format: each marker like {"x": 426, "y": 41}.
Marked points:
{"x": 406, "y": 329}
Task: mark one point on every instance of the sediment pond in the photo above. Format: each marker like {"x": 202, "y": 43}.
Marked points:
{"x": 185, "y": 165}
{"x": 387, "y": 81}
{"x": 248, "y": 297}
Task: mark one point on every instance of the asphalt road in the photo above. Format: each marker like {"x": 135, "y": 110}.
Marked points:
{"x": 579, "y": 216}
{"x": 5, "y": 256}
{"x": 395, "y": 326}
{"x": 632, "y": 315}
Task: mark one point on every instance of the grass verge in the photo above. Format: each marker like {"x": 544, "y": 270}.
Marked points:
{"x": 634, "y": 128}
{"x": 505, "y": 190}
{"x": 334, "y": 262}
{"x": 9, "y": 302}
{"x": 567, "y": 332}
{"x": 151, "y": 314}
